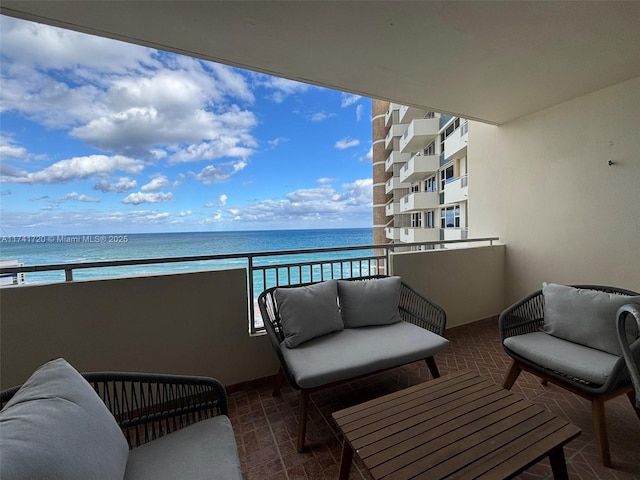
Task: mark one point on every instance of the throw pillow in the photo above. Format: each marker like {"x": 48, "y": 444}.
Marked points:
{"x": 584, "y": 316}
{"x": 308, "y": 312}
{"x": 369, "y": 302}
{"x": 56, "y": 426}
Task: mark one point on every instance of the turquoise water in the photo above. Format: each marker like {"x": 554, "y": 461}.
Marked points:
{"x": 90, "y": 248}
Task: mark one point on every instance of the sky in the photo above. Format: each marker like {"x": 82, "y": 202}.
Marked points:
{"x": 101, "y": 136}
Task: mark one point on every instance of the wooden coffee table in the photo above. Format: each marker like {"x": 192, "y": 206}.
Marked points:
{"x": 459, "y": 426}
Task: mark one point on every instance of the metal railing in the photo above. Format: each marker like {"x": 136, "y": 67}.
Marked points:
{"x": 275, "y": 268}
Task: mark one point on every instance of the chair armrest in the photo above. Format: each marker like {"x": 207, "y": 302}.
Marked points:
{"x": 417, "y": 309}
{"x": 148, "y": 406}
{"x": 629, "y": 312}
{"x": 524, "y": 316}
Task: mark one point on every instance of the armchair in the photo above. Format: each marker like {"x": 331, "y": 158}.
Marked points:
{"x": 597, "y": 374}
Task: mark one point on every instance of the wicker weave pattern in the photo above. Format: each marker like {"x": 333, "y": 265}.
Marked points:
{"x": 148, "y": 406}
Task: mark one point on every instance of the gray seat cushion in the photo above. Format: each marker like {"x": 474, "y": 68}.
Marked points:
{"x": 204, "y": 450}
{"x": 563, "y": 356}
{"x": 358, "y": 351}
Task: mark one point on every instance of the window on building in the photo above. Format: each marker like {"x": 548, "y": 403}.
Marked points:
{"x": 430, "y": 184}
{"x": 416, "y": 220}
{"x": 431, "y": 218}
{"x": 450, "y": 217}
{"x": 446, "y": 176}
{"x": 431, "y": 149}
{"x": 415, "y": 187}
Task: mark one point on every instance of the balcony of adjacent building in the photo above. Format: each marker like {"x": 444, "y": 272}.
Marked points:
{"x": 396, "y": 158}
{"x": 407, "y": 113}
{"x": 392, "y": 139}
{"x": 456, "y": 190}
{"x": 392, "y": 208}
{"x": 391, "y": 116}
{"x": 419, "y": 234}
{"x": 394, "y": 183}
{"x": 419, "y": 167}
{"x": 419, "y": 133}
{"x": 455, "y": 145}
{"x": 417, "y": 201}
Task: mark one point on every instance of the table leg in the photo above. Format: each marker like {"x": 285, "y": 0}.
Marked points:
{"x": 345, "y": 460}
{"x": 558, "y": 465}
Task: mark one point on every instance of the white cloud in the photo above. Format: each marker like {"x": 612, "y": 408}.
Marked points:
{"x": 346, "y": 143}
{"x": 73, "y": 169}
{"x": 78, "y": 197}
{"x": 359, "y": 110}
{"x": 222, "y": 200}
{"x": 10, "y": 151}
{"x": 277, "y": 141}
{"x": 186, "y": 213}
{"x": 368, "y": 157}
{"x": 280, "y": 88}
{"x": 140, "y": 197}
{"x": 123, "y": 184}
{"x": 320, "y": 205}
{"x": 157, "y": 183}
{"x": 349, "y": 99}
{"x": 221, "y": 173}
{"x": 321, "y": 116}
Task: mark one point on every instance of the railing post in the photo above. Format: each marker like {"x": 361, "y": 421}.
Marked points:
{"x": 68, "y": 275}
{"x": 252, "y": 313}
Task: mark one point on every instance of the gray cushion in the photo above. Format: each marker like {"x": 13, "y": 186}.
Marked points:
{"x": 369, "y": 302}
{"x": 205, "y": 450}
{"x": 56, "y": 426}
{"x": 359, "y": 351}
{"x": 563, "y": 356}
{"x": 587, "y": 317}
{"x": 308, "y": 312}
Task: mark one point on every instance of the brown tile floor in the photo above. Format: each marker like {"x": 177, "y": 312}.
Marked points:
{"x": 266, "y": 426}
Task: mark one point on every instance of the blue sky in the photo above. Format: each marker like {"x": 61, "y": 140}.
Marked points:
{"x": 99, "y": 136}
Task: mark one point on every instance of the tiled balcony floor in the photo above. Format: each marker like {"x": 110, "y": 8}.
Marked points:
{"x": 266, "y": 426}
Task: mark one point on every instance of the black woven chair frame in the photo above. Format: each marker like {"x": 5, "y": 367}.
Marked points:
{"x": 148, "y": 406}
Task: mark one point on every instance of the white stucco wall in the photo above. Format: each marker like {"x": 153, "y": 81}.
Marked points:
{"x": 542, "y": 183}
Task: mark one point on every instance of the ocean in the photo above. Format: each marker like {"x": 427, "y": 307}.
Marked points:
{"x": 47, "y": 250}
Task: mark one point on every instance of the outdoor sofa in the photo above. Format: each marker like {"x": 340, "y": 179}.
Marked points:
{"x": 333, "y": 331}
{"x": 115, "y": 426}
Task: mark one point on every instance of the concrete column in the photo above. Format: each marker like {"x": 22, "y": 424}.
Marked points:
{"x": 380, "y": 177}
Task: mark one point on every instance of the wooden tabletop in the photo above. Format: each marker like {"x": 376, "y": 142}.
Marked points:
{"x": 460, "y": 425}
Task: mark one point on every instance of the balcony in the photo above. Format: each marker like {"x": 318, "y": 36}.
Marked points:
{"x": 407, "y": 113}
{"x": 392, "y": 208}
{"x": 455, "y": 145}
{"x": 419, "y": 167}
{"x": 457, "y": 190}
{"x": 391, "y": 116}
{"x": 418, "y": 201}
{"x": 397, "y": 158}
{"x": 392, "y": 233}
{"x": 416, "y": 235}
{"x": 394, "y": 183}
{"x": 391, "y": 141}
{"x": 419, "y": 133}
{"x": 188, "y": 322}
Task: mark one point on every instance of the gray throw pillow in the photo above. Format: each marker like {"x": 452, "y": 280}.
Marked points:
{"x": 369, "y": 302}
{"x": 308, "y": 312}
{"x": 56, "y": 426}
{"x": 587, "y": 317}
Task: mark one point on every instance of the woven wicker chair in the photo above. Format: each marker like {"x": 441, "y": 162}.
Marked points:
{"x": 414, "y": 308}
{"x": 527, "y": 316}
{"x": 148, "y": 406}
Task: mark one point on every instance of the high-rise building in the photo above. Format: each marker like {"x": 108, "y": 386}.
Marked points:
{"x": 425, "y": 175}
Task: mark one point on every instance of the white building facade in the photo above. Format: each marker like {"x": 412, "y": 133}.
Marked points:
{"x": 427, "y": 175}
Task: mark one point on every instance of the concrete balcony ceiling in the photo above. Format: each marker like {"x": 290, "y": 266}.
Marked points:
{"x": 518, "y": 57}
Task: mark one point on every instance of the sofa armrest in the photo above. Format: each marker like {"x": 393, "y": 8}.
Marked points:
{"x": 524, "y": 316}
{"x": 148, "y": 406}
{"x": 417, "y": 309}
